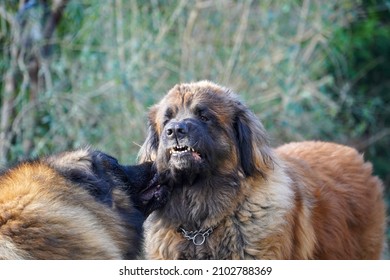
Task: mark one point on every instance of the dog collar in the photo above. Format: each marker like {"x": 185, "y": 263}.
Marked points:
{"x": 198, "y": 237}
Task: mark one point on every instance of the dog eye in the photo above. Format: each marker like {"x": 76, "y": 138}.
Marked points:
{"x": 165, "y": 122}
{"x": 202, "y": 113}
{"x": 168, "y": 115}
{"x": 203, "y": 118}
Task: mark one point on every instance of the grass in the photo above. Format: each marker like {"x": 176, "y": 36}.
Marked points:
{"x": 111, "y": 60}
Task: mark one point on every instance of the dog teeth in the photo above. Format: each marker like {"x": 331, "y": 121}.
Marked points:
{"x": 181, "y": 149}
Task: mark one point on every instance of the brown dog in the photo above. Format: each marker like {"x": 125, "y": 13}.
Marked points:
{"x": 233, "y": 197}
{"x": 75, "y": 205}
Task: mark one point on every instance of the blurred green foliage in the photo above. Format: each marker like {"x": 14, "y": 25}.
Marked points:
{"x": 365, "y": 82}
{"x": 309, "y": 69}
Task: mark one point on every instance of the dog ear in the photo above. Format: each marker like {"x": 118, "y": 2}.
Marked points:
{"x": 148, "y": 151}
{"x": 255, "y": 155}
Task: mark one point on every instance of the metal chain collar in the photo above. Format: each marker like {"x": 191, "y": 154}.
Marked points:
{"x": 198, "y": 237}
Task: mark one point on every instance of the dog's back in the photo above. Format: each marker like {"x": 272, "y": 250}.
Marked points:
{"x": 44, "y": 216}
{"x": 346, "y": 200}
{"x": 78, "y": 204}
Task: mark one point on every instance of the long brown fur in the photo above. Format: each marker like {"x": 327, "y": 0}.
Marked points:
{"x": 308, "y": 200}
{"x": 74, "y": 205}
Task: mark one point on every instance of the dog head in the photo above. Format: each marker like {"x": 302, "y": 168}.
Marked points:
{"x": 205, "y": 144}
{"x": 106, "y": 180}
{"x": 200, "y": 129}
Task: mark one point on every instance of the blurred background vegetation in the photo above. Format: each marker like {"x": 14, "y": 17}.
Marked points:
{"x": 84, "y": 72}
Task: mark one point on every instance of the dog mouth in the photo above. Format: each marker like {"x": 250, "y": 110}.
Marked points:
{"x": 185, "y": 151}
{"x": 154, "y": 196}
{"x": 150, "y": 193}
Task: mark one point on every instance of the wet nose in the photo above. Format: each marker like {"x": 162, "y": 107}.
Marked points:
{"x": 176, "y": 129}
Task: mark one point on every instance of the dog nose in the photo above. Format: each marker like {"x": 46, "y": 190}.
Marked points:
{"x": 177, "y": 129}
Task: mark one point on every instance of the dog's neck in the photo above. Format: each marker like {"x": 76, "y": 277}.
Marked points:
{"x": 203, "y": 204}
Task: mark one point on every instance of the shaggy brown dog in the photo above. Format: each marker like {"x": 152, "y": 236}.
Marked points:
{"x": 75, "y": 205}
{"x": 233, "y": 197}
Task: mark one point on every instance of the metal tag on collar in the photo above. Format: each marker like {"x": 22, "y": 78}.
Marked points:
{"x": 197, "y": 237}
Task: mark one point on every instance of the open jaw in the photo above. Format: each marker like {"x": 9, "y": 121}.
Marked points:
{"x": 182, "y": 151}
{"x": 154, "y": 196}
